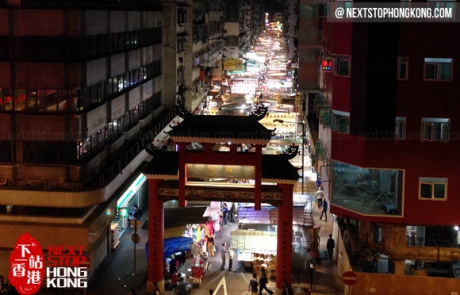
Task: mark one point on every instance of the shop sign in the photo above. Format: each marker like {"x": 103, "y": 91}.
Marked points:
{"x": 233, "y": 65}
{"x": 326, "y": 63}
{"x": 220, "y": 171}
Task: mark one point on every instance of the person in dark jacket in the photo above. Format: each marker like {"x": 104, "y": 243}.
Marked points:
{"x": 263, "y": 280}
{"x": 330, "y": 246}
{"x": 325, "y": 204}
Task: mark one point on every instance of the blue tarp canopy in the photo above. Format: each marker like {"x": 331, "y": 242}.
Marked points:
{"x": 172, "y": 245}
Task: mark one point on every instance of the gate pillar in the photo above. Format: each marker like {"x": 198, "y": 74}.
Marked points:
{"x": 156, "y": 233}
{"x": 284, "y": 237}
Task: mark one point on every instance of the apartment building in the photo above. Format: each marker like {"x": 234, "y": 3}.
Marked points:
{"x": 80, "y": 97}
{"x": 386, "y": 143}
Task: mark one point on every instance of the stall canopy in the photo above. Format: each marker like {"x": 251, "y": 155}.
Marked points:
{"x": 172, "y": 245}
{"x": 253, "y": 240}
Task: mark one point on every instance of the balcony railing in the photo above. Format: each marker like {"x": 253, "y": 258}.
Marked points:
{"x": 422, "y": 242}
{"x": 117, "y": 164}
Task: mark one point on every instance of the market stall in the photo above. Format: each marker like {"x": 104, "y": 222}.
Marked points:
{"x": 256, "y": 249}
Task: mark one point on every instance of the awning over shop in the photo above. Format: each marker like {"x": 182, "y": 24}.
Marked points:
{"x": 253, "y": 240}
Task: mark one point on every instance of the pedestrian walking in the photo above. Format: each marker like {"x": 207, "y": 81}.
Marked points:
{"x": 172, "y": 266}
{"x": 324, "y": 210}
{"x": 319, "y": 197}
{"x": 224, "y": 213}
{"x": 232, "y": 212}
{"x": 182, "y": 258}
{"x": 231, "y": 254}
{"x": 318, "y": 182}
{"x": 182, "y": 287}
{"x": 223, "y": 254}
{"x": 287, "y": 289}
{"x": 263, "y": 280}
{"x": 211, "y": 245}
{"x": 253, "y": 285}
{"x": 330, "y": 246}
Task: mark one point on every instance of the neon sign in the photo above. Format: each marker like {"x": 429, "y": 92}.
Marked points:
{"x": 326, "y": 63}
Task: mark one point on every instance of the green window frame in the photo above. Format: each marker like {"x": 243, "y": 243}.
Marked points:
{"x": 431, "y": 188}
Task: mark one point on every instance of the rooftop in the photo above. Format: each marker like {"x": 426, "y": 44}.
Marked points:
{"x": 213, "y": 129}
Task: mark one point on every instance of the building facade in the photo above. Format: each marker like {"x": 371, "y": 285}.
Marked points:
{"x": 80, "y": 96}
{"x": 386, "y": 142}
{"x": 203, "y": 38}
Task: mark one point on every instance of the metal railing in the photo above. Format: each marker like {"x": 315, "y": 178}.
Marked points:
{"x": 117, "y": 163}
{"x": 422, "y": 242}
{"x": 116, "y": 167}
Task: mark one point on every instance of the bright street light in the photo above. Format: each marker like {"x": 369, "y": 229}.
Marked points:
{"x": 303, "y": 145}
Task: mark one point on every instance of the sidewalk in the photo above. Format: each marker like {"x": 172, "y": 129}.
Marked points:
{"x": 115, "y": 275}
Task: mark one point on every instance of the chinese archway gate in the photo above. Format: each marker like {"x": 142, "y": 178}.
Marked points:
{"x": 227, "y": 147}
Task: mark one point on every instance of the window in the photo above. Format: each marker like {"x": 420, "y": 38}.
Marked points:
{"x": 345, "y": 4}
{"x": 181, "y": 74}
{"x": 342, "y": 66}
{"x": 400, "y": 128}
{"x": 6, "y": 151}
{"x": 405, "y": 3}
{"x": 322, "y": 9}
{"x": 325, "y": 117}
{"x": 320, "y": 152}
{"x": 6, "y": 99}
{"x": 180, "y": 44}
{"x": 49, "y": 152}
{"x": 433, "y": 188}
{"x": 438, "y": 69}
{"x": 181, "y": 16}
{"x": 341, "y": 121}
{"x": 441, "y": 4}
{"x": 403, "y": 68}
{"x": 435, "y": 129}
{"x": 115, "y": 129}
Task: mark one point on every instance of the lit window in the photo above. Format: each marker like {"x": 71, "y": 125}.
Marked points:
{"x": 438, "y": 69}
{"x": 435, "y": 129}
{"x": 441, "y": 4}
{"x": 342, "y": 66}
{"x": 400, "y": 128}
{"x": 345, "y": 4}
{"x": 340, "y": 121}
{"x": 403, "y": 68}
{"x": 433, "y": 188}
{"x": 405, "y": 3}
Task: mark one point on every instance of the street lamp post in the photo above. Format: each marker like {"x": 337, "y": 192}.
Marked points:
{"x": 303, "y": 146}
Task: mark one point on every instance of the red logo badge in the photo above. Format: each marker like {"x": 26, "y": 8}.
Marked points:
{"x": 27, "y": 266}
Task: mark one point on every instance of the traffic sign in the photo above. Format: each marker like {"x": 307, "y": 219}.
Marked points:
{"x": 349, "y": 278}
{"x": 136, "y": 224}
{"x": 135, "y": 238}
